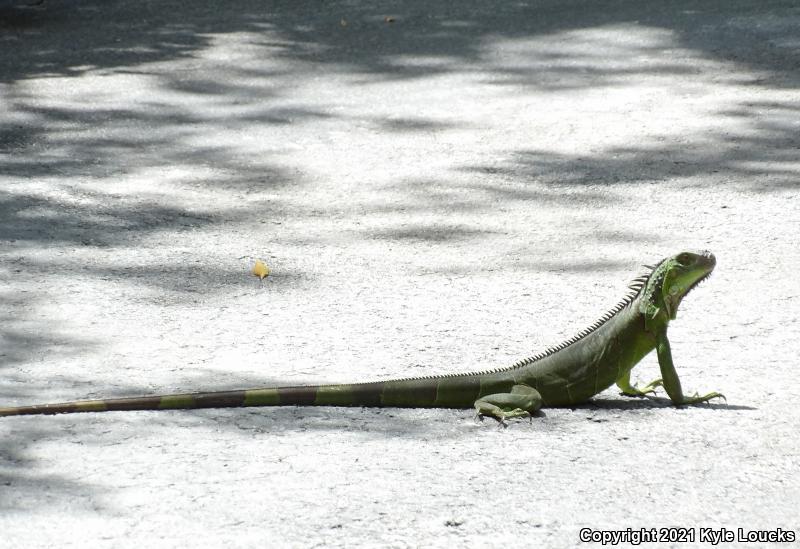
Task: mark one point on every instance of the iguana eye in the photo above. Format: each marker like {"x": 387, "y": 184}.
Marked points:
{"x": 683, "y": 258}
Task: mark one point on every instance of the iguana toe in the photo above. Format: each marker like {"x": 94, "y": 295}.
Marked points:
{"x": 697, "y": 399}
{"x": 635, "y": 391}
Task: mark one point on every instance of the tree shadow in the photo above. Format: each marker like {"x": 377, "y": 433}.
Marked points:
{"x": 51, "y": 156}
{"x": 430, "y": 233}
{"x": 32, "y": 220}
{"x": 549, "y": 45}
{"x": 23, "y": 339}
{"x": 390, "y": 40}
{"x": 22, "y": 487}
{"x": 765, "y": 154}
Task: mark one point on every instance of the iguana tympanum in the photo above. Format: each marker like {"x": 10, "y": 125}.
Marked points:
{"x": 563, "y": 375}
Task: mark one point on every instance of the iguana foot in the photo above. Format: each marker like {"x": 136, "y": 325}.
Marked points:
{"x": 696, "y": 399}
{"x": 635, "y": 391}
{"x": 521, "y": 401}
{"x": 500, "y": 422}
{"x": 498, "y": 414}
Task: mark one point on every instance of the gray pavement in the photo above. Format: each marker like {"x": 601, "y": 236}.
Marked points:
{"x": 437, "y": 186}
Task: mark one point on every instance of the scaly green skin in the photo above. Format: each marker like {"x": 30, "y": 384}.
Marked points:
{"x": 569, "y": 373}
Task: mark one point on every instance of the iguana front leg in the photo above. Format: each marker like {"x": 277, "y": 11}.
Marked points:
{"x": 670, "y": 378}
{"x": 624, "y": 384}
{"x": 521, "y": 401}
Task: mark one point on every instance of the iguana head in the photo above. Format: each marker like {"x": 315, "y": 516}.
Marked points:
{"x": 672, "y": 279}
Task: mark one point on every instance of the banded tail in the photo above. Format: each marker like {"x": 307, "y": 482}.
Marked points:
{"x": 412, "y": 393}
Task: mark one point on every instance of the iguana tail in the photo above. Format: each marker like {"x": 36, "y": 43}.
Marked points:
{"x": 415, "y": 393}
{"x": 366, "y": 394}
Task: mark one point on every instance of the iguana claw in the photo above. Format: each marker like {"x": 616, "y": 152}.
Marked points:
{"x": 501, "y": 422}
{"x": 635, "y": 391}
{"x": 697, "y": 399}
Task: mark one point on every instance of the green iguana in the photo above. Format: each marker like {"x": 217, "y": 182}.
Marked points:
{"x": 565, "y": 374}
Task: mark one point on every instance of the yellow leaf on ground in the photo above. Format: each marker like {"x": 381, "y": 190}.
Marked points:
{"x": 260, "y": 269}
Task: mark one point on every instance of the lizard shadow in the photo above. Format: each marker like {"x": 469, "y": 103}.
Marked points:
{"x": 653, "y": 402}
{"x": 414, "y": 423}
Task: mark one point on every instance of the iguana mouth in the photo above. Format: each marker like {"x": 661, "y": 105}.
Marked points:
{"x": 710, "y": 257}
{"x": 712, "y": 261}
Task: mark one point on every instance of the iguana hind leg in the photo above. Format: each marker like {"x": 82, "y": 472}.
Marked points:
{"x": 624, "y": 384}
{"x": 521, "y": 401}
